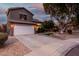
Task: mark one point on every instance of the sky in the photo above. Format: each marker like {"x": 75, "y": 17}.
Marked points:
{"x": 36, "y": 8}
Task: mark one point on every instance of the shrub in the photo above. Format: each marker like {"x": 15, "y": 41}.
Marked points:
{"x": 46, "y": 26}
{"x": 55, "y": 29}
{"x": 69, "y": 31}
{"x": 40, "y": 29}
{"x": 3, "y": 38}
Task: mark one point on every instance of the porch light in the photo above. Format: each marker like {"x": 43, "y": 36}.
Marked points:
{"x": 36, "y": 26}
{"x": 12, "y": 25}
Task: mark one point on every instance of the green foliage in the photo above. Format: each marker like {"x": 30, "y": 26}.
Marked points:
{"x": 3, "y": 38}
{"x": 63, "y": 9}
{"x": 77, "y": 21}
{"x": 40, "y": 30}
{"x": 46, "y": 26}
{"x": 55, "y": 29}
{"x": 55, "y": 8}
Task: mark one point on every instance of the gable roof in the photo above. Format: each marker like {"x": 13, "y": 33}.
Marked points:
{"x": 17, "y": 8}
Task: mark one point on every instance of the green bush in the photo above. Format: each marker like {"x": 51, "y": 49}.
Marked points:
{"x": 41, "y": 29}
{"x": 55, "y": 29}
{"x": 46, "y": 26}
{"x": 3, "y": 38}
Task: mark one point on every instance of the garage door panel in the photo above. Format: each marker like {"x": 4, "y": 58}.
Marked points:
{"x": 23, "y": 29}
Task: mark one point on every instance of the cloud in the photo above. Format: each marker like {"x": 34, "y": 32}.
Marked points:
{"x": 42, "y": 17}
{"x": 36, "y": 8}
{"x": 33, "y": 7}
{"x": 8, "y": 5}
{"x": 36, "y": 11}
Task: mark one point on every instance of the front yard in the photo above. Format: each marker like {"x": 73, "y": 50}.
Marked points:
{"x": 13, "y": 47}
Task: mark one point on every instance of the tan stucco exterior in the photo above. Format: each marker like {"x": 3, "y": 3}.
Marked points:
{"x": 19, "y": 19}
{"x": 14, "y": 14}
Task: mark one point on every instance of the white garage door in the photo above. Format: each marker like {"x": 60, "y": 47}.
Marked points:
{"x": 21, "y": 29}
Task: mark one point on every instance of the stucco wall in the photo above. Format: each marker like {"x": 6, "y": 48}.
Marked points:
{"x": 14, "y": 14}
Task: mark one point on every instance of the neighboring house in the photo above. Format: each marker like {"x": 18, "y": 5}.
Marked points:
{"x": 19, "y": 18}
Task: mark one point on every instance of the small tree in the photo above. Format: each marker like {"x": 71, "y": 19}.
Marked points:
{"x": 46, "y": 26}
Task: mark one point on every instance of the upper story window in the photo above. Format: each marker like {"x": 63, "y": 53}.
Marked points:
{"x": 23, "y": 17}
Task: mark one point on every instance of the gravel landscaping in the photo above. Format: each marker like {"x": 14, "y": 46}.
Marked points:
{"x": 13, "y": 47}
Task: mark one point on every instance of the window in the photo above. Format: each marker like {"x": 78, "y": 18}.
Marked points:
{"x": 23, "y": 17}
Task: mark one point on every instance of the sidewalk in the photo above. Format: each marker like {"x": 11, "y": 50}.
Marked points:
{"x": 47, "y": 46}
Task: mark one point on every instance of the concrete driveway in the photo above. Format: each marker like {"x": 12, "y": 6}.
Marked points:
{"x": 47, "y": 46}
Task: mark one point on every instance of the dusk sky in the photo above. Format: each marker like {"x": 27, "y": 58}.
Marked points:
{"x": 36, "y": 8}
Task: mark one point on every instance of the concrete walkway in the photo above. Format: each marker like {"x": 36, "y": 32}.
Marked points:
{"x": 42, "y": 45}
